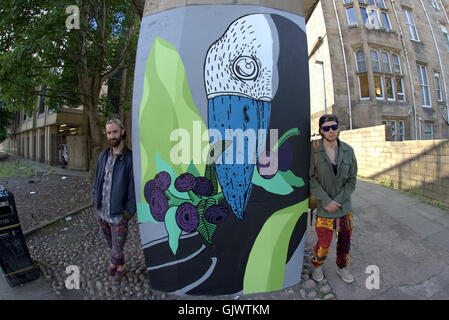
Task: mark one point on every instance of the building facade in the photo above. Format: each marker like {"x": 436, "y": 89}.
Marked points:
{"x": 45, "y": 134}
{"x": 376, "y": 62}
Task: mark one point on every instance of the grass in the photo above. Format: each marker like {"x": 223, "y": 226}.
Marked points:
{"x": 17, "y": 168}
{"x": 14, "y": 169}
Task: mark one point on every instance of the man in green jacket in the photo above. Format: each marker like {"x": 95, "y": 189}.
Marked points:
{"x": 333, "y": 185}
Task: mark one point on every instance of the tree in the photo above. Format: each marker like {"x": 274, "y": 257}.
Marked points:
{"x": 39, "y": 47}
{"x": 5, "y": 121}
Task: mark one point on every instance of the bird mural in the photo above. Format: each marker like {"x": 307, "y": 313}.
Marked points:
{"x": 241, "y": 79}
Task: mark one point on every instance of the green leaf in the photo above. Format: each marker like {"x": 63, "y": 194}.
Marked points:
{"x": 291, "y": 178}
{"x": 205, "y": 228}
{"x": 174, "y": 232}
{"x": 277, "y": 184}
{"x": 265, "y": 269}
{"x": 166, "y": 106}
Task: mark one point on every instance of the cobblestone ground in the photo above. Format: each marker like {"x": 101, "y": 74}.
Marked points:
{"x": 77, "y": 240}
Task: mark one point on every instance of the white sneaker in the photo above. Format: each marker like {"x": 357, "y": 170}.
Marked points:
{"x": 317, "y": 273}
{"x": 345, "y": 274}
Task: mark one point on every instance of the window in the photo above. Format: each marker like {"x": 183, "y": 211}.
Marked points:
{"x": 360, "y": 60}
{"x": 374, "y": 18}
{"x": 424, "y": 83}
{"x": 400, "y": 89}
{"x": 386, "y": 62}
{"x": 381, "y": 4}
{"x": 374, "y": 60}
{"x": 386, "y": 20}
{"x": 393, "y": 130}
{"x": 378, "y": 87}
{"x": 363, "y": 87}
{"x": 411, "y": 25}
{"x": 396, "y": 64}
{"x": 438, "y": 86}
{"x": 435, "y": 4}
{"x": 389, "y": 88}
{"x": 446, "y": 36}
{"x": 401, "y": 130}
{"x": 362, "y": 76}
{"x": 362, "y": 1}
{"x": 371, "y": 2}
{"x": 428, "y": 131}
{"x": 364, "y": 15}
{"x": 347, "y": 1}
{"x": 352, "y": 19}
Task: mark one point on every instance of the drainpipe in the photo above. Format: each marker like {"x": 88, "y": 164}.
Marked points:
{"x": 444, "y": 81}
{"x": 346, "y": 67}
{"x": 408, "y": 67}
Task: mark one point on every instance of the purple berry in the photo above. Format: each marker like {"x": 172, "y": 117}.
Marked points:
{"x": 158, "y": 204}
{"x": 185, "y": 182}
{"x": 285, "y": 156}
{"x": 187, "y": 217}
{"x": 162, "y": 180}
{"x": 216, "y": 214}
{"x": 147, "y": 190}
{"x": 203, "y": 186}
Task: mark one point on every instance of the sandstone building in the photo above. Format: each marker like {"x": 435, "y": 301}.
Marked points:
{"x": 376, "y": 62}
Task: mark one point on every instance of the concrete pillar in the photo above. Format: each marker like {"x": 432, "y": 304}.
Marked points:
{"x": 238, "y": 65}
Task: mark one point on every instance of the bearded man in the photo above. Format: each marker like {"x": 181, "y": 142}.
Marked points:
{"x": 335, "y": 182}
{"x": 113, "y": 196}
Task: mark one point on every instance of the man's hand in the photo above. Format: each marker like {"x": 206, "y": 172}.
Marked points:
{"x": 332, "y": 207}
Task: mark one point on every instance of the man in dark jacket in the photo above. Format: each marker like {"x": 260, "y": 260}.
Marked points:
{"x": 113, "y": 196}
{"x": 333, "y": 186}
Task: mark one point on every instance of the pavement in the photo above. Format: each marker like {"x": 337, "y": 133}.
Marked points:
{"x": 396, "y": 237}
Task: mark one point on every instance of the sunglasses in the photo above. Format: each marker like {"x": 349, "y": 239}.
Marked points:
{"x": 334, "y": 127}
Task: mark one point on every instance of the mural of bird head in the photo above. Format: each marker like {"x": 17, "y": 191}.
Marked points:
{"x": 241, "y": 78}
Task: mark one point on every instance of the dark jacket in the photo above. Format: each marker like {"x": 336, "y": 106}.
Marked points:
{"x": 123, "y": 198}
{"x": 328, "y": 186}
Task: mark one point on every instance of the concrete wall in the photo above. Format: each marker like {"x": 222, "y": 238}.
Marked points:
{"x": 77, "y": 152}
{"x": 419, "y": 166}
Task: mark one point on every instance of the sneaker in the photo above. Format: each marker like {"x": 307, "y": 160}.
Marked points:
{"x": 317, "y": 273}
{"x": 345, "y": 274}
{"x": 120, "y": 274}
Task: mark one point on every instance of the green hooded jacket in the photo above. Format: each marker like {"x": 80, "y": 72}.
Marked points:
{"x": 328, "y": 186}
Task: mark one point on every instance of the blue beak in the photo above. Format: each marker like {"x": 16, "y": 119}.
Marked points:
{"x": 244, "y": 121}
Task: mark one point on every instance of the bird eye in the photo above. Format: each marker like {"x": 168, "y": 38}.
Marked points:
{"x": 245, "y": 68}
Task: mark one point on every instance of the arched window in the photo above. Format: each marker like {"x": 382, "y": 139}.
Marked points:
{"x": 386, "y": 62}
{"x": 375, "y": 60}
{"x": 360, "y": 60}
{"x": 396, "y": 64}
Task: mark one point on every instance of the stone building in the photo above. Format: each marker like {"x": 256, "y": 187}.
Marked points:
{"x": 376, "y": 62}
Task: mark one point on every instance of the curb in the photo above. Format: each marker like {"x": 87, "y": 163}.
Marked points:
{"x": 70, "y": 213}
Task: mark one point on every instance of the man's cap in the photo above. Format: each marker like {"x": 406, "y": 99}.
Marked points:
{"x": 116, "y": 121}
{"x": 326, "y": 118}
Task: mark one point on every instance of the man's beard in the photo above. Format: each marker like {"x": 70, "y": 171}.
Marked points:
{"x": 115, "y": 142}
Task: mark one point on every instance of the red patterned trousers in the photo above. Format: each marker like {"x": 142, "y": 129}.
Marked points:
{"x": 325, "y": 230}
{"x": 115, "y": 235}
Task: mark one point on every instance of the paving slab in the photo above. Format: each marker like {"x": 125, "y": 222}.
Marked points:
{"x": 441, "y": 239}
{"x": 422, "y": 226}
{"x": 429, "y": 211}
{"x": 38, "y": 289}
